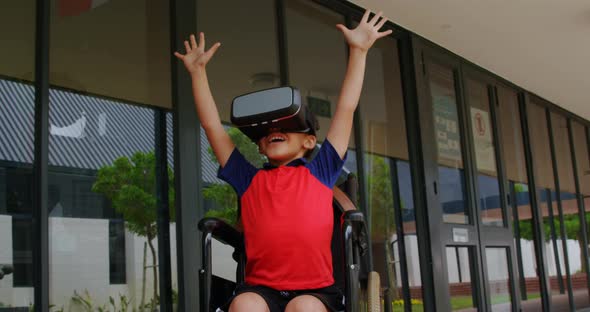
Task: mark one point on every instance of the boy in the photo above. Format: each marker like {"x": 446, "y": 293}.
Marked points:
{"x": 286, "y": 208}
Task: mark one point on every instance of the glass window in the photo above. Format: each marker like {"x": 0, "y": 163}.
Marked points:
{"x": 582, "y": 159}
{"x": 490, "y": 203}
{"x": 117, "y": 261}
{"x": 17, "y": 111}
{"x": 410, "y": 234}
{"x": 460, "y": 263}
{"x": 171, "y": 173}
{"x": 569, "y": 207}
{"x": 579, "y": 277}
{"x": 522, "y": 217}
{"x": 541, "y": 151}
{"x": 539, "y": 135}
{"x": 18, "y": 44}
{"x": 318, "y": 71}
{"x": 109, "y": 62}
{"x": 317, "y": 57}
{"x": 117, "y": 49}
{"x": 388, "y": 180}
{"x": 451, "y": 175}
{"x": 563, "y": 153}
{"x": 101, "y": 177}
{"x": 243, "y": 64}
{"x": 498, "y": 278}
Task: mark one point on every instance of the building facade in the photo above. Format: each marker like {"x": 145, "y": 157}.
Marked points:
{"x": 474, "y": 188}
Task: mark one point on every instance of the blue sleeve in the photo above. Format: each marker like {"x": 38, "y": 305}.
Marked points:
{"x": 327, "y": 164}
{"x": 238, "y": 172}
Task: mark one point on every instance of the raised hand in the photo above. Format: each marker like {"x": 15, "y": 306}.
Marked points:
{"x": 196, "y": 57}
{"x": 366, "y": 33}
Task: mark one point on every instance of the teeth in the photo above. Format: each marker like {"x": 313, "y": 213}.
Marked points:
{"x": 276, "y": 138}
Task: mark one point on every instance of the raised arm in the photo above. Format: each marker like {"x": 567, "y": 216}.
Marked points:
{"x": 195, "y": 61}
{"x": 359, "y": 42}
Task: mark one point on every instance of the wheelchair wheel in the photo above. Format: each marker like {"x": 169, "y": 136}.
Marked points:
{"x": 373, "y": 292}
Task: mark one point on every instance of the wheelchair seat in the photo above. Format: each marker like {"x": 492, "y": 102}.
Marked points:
{"x": 350, "y": 259}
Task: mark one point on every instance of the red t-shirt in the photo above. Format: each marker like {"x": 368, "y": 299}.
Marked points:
{"x": 288, "y": 219}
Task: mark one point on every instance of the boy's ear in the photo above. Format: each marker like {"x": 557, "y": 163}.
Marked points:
{"x": 310, "y": 142}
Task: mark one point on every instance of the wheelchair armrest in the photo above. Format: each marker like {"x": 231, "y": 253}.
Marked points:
{"x": 223, "y": 232}
{"x": 213, "y": 227}
{"x": 357, "y": 220}
{"x": 356, "y": 250}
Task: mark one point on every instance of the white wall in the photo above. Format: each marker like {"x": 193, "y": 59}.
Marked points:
{"x": 79, "y": 261}
{"x": 495, "y": 260}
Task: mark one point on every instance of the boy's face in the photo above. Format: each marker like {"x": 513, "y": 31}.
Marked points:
{"x": 283, "y": 147}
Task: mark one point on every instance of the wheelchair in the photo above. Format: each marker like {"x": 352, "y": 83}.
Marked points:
{"x": 350, "y": 258}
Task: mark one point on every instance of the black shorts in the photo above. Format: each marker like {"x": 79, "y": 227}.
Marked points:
{"x": 331, "y": 296}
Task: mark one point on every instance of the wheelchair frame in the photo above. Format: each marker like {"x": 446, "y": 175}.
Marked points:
{"x": 354, "y": 246}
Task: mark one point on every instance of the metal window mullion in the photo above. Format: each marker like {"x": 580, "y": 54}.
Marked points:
{"x": 580, "y": 198}
{"x": 504, "y": 187}
{"x": 560, "y": 212}
{"x": 551, "y": 218}
{"x": 187, "y": 159}
{"x": 499, "y": 149}
{"x": 40, "y": 242}
{"x": 403, "y": 260}
{"x": 535, "y": 208}
{"x": 281, "y": 22}
{"x": 414, "y": 85}
{"x": 467, "y": 151}
{"x": 471, "y": 174}
{"x": 521, "y": 278}
{"x": 163, "y": 210}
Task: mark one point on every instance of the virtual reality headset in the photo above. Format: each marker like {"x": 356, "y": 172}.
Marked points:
{"x": 281, "y": 108}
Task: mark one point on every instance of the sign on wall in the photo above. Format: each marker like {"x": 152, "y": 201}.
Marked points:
{"x": 447, "y": 128}
{"x": 482, "y": 138}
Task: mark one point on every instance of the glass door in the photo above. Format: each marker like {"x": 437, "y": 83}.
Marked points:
{"x": 490, "y": 193}
{"x": 470, "y": 234}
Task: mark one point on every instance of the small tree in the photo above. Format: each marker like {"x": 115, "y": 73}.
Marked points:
{"x": 223, "y": 194}
{"x": 380, "y": 196}
{"x": 130, "y": 184}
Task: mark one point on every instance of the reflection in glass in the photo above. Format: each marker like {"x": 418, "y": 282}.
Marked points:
{"x": 569, "y": 207}
{"x": 101, "y": 177}
{"x": 498, "y": 279}
{"x": 522, "y": 217}
{"x": 384, "y": 238}
{"x": 317, "y": 58}
{"x": 244, "y": 63}
{"x": 529, "y": 283}
{"x": 117, "y": 48}
{"x": 582, "y": 159}
{"x": 448, "y": 140}
{"x": 579, "y": 277}
{"x": 553, "y": 247}
{"x": 575, "y": 246}
{"x": 544, "y": 178}
{"x": 490, "y": 203}
{"x": 410, "y": 235}
{"x": 461, "y": 285}
{"x": 17, "y": 111}
{"x": 171, "y": 172}
{"x": 106, "y": 60}
{"x": 388, "y": 179}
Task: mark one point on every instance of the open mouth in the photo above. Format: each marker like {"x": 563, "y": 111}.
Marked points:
{"x": 276, "y": 139}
